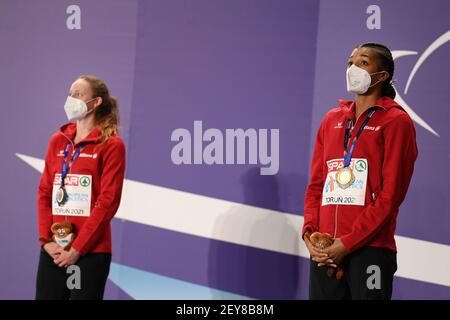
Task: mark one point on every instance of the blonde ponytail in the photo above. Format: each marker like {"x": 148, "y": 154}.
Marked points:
{"x": 107, "y": 114}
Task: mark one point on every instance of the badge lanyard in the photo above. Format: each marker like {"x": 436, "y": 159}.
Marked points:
{"x": 348, "y": 154}
{"x": 65, "y": 167}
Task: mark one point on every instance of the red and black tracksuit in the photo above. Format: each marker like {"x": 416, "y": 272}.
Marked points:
{"x": 105, "y": 162}
{"x": 388, "y": 142}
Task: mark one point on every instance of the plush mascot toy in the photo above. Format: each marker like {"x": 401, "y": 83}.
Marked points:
{"x": 62, "y": 234}
{"x": 321, "y": 241}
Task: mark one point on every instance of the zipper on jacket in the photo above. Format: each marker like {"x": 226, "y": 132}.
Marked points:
{"x": 356, "y": 122}
{"x": 335, "y": 221}
{"x": 336, "y": 211}
{"x": 358, "y": 119}
{"x": 373, "y": 194}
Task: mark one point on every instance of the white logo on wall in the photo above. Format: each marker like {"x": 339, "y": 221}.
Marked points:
{"x": 251, "y": 142}
{"x": 374, "y": 20}
{"x": 74, "y": 280}
{"x": 428, "y": 51}
{"x": 73, "y": 21}
{"x": 374, "y": 280}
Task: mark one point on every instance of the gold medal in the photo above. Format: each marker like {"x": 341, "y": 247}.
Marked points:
{"x": 345, "y": 177}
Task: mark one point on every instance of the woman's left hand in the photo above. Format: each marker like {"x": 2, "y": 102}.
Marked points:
{"x": 336, "y": 252}
{"x": 67, "y": 258}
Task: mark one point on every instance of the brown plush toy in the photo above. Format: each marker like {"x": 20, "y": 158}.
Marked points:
{"x": 62, "y": 234}
{"x": 322, "y": 241}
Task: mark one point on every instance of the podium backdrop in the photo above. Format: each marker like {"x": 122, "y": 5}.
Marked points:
{"x": 220, "y": 102}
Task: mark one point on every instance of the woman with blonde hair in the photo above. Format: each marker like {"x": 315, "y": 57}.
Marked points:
{"x": 79, "y": 193}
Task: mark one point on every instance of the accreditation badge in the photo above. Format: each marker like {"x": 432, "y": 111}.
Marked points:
{"x": 74, "y": 199}
{"x": 345, "y": 185}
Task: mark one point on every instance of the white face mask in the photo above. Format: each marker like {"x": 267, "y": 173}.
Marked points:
{"x": 76, "y": 109}
{"x": 358, "y": 79}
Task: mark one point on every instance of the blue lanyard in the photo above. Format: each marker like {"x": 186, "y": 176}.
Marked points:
{"x": 348, "y": 154}
{"x": 65, "y": 167}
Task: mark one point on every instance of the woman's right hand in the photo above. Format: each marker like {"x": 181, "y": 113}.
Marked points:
{"x": 316, "y": 254}
{"x": 51, "y": 249}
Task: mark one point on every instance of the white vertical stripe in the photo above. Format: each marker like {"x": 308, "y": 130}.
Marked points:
{"x": 252, "y": 226}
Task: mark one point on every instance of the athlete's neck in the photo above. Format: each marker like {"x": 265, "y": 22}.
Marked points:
{"x": 364, "y": 102}
{"x": 84, "y": 127}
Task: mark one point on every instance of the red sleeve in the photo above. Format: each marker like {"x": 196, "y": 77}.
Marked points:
{"x": 313, "y": 195}
{"x": 45, "y": 199}
{"x": 400, "y": 153}
{"x": 112, "y": 175}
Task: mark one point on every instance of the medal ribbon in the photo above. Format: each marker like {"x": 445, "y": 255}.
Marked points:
{"x": 348, "y": 154}
{"x": 65, "y": 167}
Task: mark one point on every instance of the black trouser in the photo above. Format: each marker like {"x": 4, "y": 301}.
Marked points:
{"x": 52, "y": 281}
{"x": 368, "y": 274}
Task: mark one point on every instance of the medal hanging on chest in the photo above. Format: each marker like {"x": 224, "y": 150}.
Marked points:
{"x": 61, "y": 195}
{"x": 345, "y": 176}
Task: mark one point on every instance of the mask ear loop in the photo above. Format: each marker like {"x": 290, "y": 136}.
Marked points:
{"x": 92, "y": 108}
{"x": 378, "y": 80}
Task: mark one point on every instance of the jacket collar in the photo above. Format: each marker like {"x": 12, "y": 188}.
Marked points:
{"x": 385, "y": 103}
{"x": 69, "y": 131}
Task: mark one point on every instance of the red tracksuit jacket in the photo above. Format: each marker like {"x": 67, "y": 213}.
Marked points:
{"x": 388, "y": 142}
{"x": 105, "y": 162}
